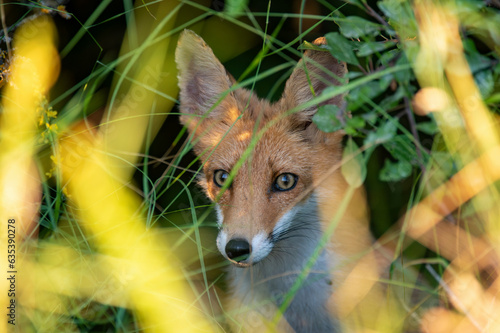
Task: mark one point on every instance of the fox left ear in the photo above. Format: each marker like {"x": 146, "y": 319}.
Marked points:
{"x": 204, "y": 83}
{"x": 316, "y": 71}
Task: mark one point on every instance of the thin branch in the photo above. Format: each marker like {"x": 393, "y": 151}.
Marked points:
{"x": 413, "y": 128}
{"x": 373, "y": 13}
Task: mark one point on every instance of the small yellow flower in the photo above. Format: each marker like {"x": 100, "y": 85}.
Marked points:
{"x": 43, "y": 138}
{"x": 56, "y": 162}
{"x": 51, "y": 113}
{"x": 65, "y": 192}
{"x": 52, "y": 127}
{"x": 46, "y": 113}
{"x": 56, "y": 159}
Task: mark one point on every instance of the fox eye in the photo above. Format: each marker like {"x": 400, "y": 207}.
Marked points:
{"x": 220, "y": 177}
{"x": 285, "y": 182}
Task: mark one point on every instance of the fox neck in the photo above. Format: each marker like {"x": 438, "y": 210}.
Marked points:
{"x": 272, "y": 278}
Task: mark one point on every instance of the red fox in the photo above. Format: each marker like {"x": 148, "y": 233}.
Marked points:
{"x": 286, "y": 190}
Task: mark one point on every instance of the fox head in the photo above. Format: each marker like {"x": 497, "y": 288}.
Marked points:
{"x": 275, "y": 176}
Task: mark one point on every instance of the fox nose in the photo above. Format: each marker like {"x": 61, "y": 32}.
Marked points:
{"x": 238, "y": 249}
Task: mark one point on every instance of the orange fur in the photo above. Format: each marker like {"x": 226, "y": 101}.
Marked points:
{"x": 223, "y": 122}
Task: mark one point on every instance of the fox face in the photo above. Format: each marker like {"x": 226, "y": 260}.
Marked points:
{"x": 255, "y": 209}
{"x": 261, "y": 161}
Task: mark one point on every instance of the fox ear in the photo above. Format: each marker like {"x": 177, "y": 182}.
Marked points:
{"x": 316, "y": 71}
{"x": 202, "y": 81}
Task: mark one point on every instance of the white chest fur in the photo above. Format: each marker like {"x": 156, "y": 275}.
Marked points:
{"x": 263, "y": 286}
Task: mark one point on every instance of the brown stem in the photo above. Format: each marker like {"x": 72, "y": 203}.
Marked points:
{"x": 373, "y": 13}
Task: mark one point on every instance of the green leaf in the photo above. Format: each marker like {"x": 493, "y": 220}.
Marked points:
{"x": 353, "y": 75}
{"x": 496, "y": 71}
{"x": 353, "y": 124}
{"x": 393, "y": 99}
{"x": 405, "y": 76}
{"x": 235, "y": 8}
{"x": 326, "y": 118}
{"x": 368, "y": 48}
{"x": 476, "y": 60}
{"x": 357, "y": 27}
{"x": 385, "y": 81}
{"x": 370, "y": 117}
{"x": 429, "y": 127}
{"x": 382, "y": 134}
{"x": 493, "y": 99}
{"x": 472, "y": 4}
{"x": 353, "y": 164}
{"x": 400, "y": 16}
{"x": 341, "y": 48}
{"x": 356, "y": 122}
{"x": 393, "y": 172}
{"x": 359, "y": 95}
{"x": 388, "y": 56}
{"x": 485, "y": 82}
{"x": 402, "y": 148}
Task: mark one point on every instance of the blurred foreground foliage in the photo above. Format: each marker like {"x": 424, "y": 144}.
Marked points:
{"x": 111, "y": 227}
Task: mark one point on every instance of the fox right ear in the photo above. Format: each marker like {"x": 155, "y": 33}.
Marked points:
{"x": 313, "y": 74}
{"x": 203, "y": 81}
